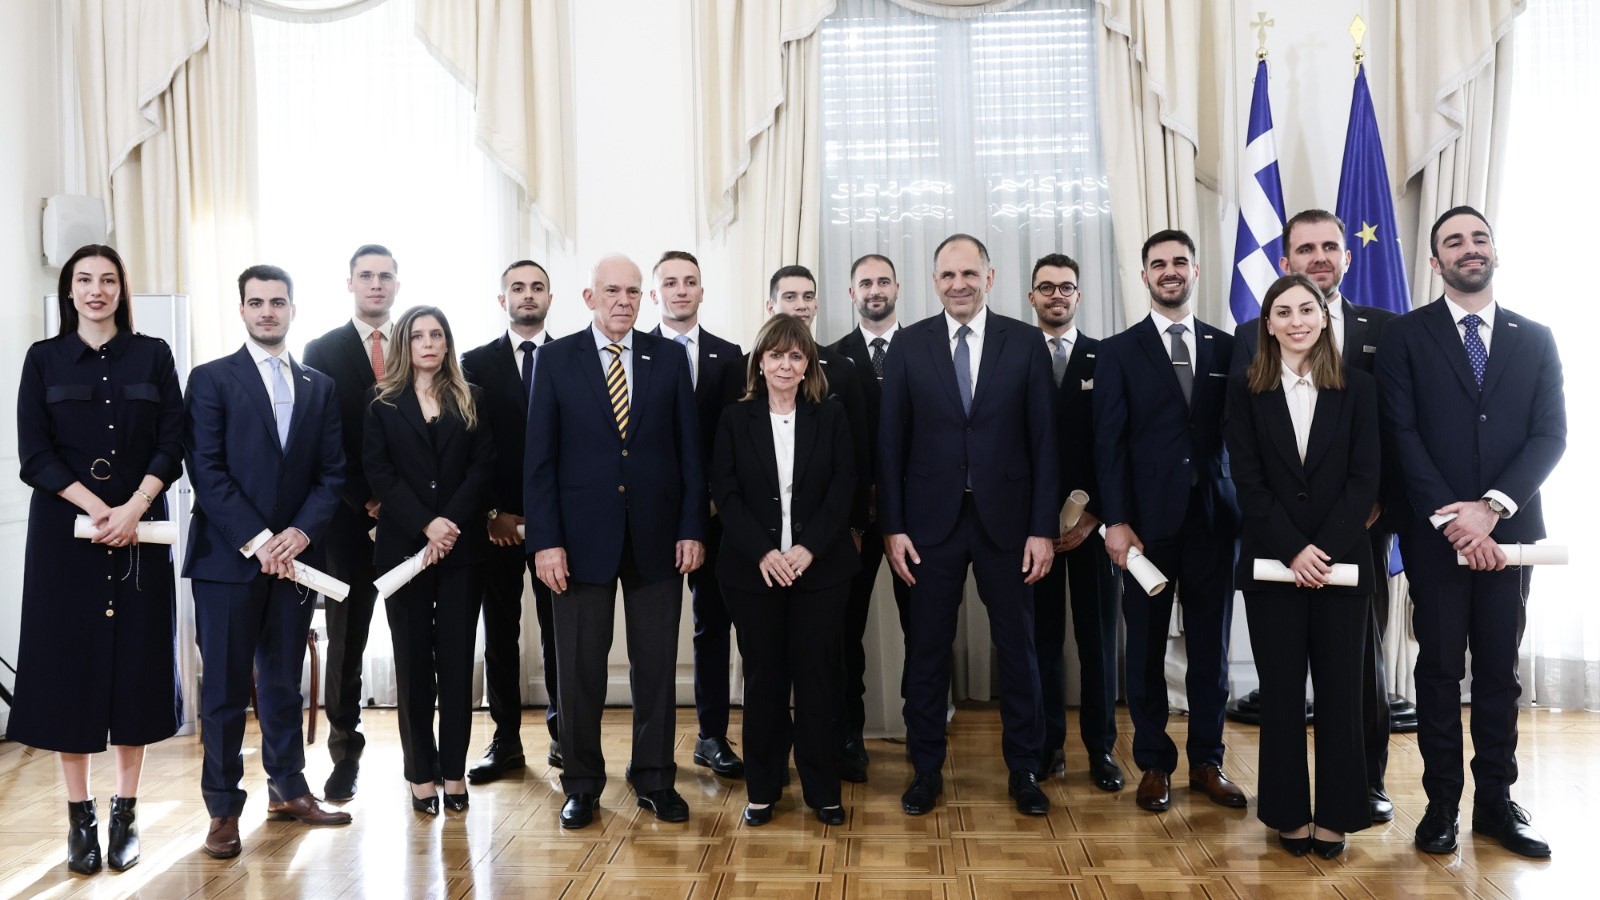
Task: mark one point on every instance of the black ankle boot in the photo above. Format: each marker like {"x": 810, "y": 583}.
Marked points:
{"x": 83, "y": 838}
{"x": 123, "y": 835}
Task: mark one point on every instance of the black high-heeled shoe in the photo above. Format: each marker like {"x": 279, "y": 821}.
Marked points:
{"x": 830, "y": 815}
{"x": 756, "y": 817}
{"x": 1297, "y": 846}
{"x": 83, "y": 838}
{"x": 428, "y": 805}
{"x": 1327, "y": 849}
{"x": 455, "y": 802}
{"x": 122, "y": 835}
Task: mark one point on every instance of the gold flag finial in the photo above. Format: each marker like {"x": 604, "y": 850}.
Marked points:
{"x": 1261, "y": 24}
{"x": 1358, "y": 30}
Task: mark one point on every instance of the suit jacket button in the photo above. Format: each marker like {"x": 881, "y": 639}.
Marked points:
{"x": 1301, "y": 497}
{"x": 433, "y": 485}
{"x": 1482, "y": 417}
{"x": 624, "y": 452}
{"x": 622, "y": 488}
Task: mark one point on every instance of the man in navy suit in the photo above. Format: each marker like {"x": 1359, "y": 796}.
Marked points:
{"x": 264, "y": 455}
{"x": 1472, "y": 397}
{"x": 614, "y": 491}
{"x": 712, "y": 361}
{"x": 504, "y": 369}
{"x": 1159, "y": 392}
{"x": 353, "y": 356}
{"x": 1081, "y": 561}
{"x": 968, "y": 477}
{"x": 1313, "y": 246}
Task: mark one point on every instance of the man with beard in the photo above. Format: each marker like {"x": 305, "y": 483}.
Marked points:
{"x": 874, "y": 290}
{"x": 1313, "y": 246}
{"x": 1159, "y": 392}
{"x": 712, "y": 361}
{"x": 1472, "y": 398}
{"x": 504, "y": 369}
{"x": 1081, "y": 560}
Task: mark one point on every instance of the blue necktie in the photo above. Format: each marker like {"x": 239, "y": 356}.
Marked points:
{"x": 964, "y": 369}
{"x": 527, "y": 349}
{"x": 683, "y": 341}
{"x": 1477, "y": 353}
{"x": 282, "y": 403}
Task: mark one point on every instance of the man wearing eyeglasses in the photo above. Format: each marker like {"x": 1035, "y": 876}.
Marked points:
{"x": 1081, "y": 560}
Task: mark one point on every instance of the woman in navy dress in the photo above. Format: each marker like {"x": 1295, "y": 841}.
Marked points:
{"x": 99, "y": 433}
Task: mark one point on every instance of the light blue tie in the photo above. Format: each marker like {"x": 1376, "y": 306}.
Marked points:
{"x": 964, "y": 369}
{"x": 683, "y": 341}
{"x": 282, "y": 402}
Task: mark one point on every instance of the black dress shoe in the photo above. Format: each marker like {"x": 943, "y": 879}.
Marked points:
{"x": 428, "y": 806}
{"x": 1055, "y": 764}
{"x": 341, "y": 784}
{"x": 1379, "y": 804}
{"x": 853, "y": 760}
{"x": 830, "y": 815}
{"x": 1297, "y": 846}
{"x": 1436, "y": 833}
{"x": 1508, "y": 823}
{"x": 499, "y": 759}
{"x": 83, "y": 838}
{"x": 716, "y": 754}
{"x": 1327, "y": 849}
{"x": 554, "y": 756}
{"x": 1106, "y": 772}
{"x": 923, "y": 794}
{"x": 123, "y": 838}
{"x": 667, "y": 804}
{"x": 456, "y": 802}
{"x": 1024, "y": 788}
{"x": 578, "y": 811}
{"x": 756, "y": 817}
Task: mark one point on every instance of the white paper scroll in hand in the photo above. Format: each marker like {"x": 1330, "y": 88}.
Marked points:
{"x": 154, "y": 532}
{"x": 1343, "y": 575}
{"x": 1143, "y": 570}
{"x": 315, "y": 579}
{"x": 1072, "y": 510}
{"x": 399, "y": 576}
{"x": 1516, "y": 554}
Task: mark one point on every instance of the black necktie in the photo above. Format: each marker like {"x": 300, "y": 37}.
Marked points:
{"x": 878, "y": 345}
{"x": 527, "y": 367}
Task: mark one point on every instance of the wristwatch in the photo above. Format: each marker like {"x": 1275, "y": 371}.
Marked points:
{"x": 493, "y": 514}
{"x": 1496, "y": 507}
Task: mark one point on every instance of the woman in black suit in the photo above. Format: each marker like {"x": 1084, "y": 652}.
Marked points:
{"x": 782, "y": 478}
{"x": 430, "y": 459}
{"x": 1302, "y": 433}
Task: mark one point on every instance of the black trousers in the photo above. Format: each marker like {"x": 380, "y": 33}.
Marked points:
{"x": 252, "y": 633}
{"x": 1085, "y": 576}
{"x": 1199, "y": 565}
{"x": 935, "y": 602}
{"x": 789, "y": 638}
{"x": 502, "y": 632}
{"x": 585, "y": 616}
{"x": 1374, "y": 675}
{"x": 713, "y": 656}
{"x": 1293, "y": 630}
{"x": 850, "y": 707}
{"x": 1455, "y": 610}
{"x": 434, "y": 623}
{"x": 349, "y": 622}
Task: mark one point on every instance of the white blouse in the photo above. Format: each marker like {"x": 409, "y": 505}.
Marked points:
{"x": 1301, "y": 395}
{"x": 783, "y": 448}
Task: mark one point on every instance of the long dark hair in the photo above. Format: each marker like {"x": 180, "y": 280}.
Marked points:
{"x": 784, "y": 333}
{"x": 122, "y": 316}
{"x": 1266, "y": 370}
{"x": 449, "y": 386}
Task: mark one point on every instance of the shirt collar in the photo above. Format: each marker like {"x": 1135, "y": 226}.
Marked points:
{"x": 888, "y": 335}
{"x": 1162, "y": 323}
{"x": 692, "y": 334}
{"x": 112, "y": 348}
{"x": 261, "y": 354}
{"x": 600, "y": 339}
{"x": 539, "y": 340}
{"x": 1335, "y": 310}
{"x": 1291, "y": 377}
{"x": 977, "y": 323}
{"x": 365, "y": 330}
{"x": 1456, "y": 313}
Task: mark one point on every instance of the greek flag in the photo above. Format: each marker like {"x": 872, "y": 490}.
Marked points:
{"x": 1259, "y": 246}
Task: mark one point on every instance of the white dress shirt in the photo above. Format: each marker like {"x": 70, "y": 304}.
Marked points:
{"x": 1301, "y": 394}
{"x": 1069, "y": 337}
{"x": 783, "y": 448}
{"x": 539, "y": 340}
{"x": 692, "y": 350}
{"x": 264, "y": 368}
{"x": 600, "y": 341}
{"x": 888, "y": 336}
{"x": 974, "y": 340}
{"x": 1336, "y": 322}
{"x": 365, "y": 331}
{"x": 1162, "y": 323}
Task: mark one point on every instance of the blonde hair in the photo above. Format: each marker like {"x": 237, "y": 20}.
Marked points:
{"x": 449, "y": 387}
{"x": 1266, "y": 370}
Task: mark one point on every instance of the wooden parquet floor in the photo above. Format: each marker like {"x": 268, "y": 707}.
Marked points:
{"x": 508, "y": 844}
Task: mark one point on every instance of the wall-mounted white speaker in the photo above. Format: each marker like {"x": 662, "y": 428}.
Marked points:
{"x": 71, "y": 221}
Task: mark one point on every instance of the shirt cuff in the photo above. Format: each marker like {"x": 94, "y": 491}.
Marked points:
{"x": 1503, "y": 500}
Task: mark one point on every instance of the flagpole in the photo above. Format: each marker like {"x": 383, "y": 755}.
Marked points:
{"x": 1358, "y": 30}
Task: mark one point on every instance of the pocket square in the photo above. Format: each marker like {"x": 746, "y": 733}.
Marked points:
{"x": 1218, "y": 374}
{"x": 1087, "y": 385}
{"x": 1368, "y": 348}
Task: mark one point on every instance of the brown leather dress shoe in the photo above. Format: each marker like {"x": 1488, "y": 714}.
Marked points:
{"x": 307, "y": 810}
{"x": 222, "y": 841}
{"x": 1209, "y": 780}
{"x": 1155, "y": 790}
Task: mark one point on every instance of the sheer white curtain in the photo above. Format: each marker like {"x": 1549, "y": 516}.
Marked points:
{"x": 365, "y": 138}
{"x": 1549, "y": 151}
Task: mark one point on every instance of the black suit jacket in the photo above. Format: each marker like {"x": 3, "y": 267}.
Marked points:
{"x": 716, "y": 361}
{"x": 1455, "y": 441}
{"x": 493, "y": 367}
{"x": 1149, "y": 444}
{"x": 342, "y": 356}
{"x": 1286, "y": 503}
{"x": 744, "y": 484}
{"x": 854, "y": 348}
{"x": 1075, "y": 423}
{"x": 928, "y": 448}
{"x": 418, "y": 474}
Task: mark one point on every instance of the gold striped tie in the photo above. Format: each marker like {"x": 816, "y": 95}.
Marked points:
{"x": 617, "y": 387}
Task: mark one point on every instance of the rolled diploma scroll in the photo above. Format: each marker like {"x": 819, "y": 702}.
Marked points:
{"x": 1072, "y": 510}
{"x": 1516, "y": 554}
{"x": 315, "y": 579}
{"x": 399, "y": 576}
{"x": 1344, "y": 574}
{"x": 1143, "y": 570}
{"x": 155, "y": 532}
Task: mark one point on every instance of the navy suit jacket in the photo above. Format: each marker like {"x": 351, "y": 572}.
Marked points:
{"x": 928, "y": 447}
{"x": 1149, "y": 445}
{"x": 717, "y": 362}
{"x": 584, "y": 484}
{"x": 493, "y": 367}
{"x": 1454, "y": 441}
{"x": 244, "y": 482}
{"x": 1075, "y": 422}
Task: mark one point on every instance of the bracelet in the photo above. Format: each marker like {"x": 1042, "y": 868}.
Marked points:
{"x": 148, "y": 500}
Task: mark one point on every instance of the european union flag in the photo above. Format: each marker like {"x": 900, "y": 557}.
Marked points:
{"x": 1259, "y": 244}
{"x": 1377, "y": 273}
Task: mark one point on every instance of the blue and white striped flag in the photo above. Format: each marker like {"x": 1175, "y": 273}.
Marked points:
{"x": 1259, "y": 245}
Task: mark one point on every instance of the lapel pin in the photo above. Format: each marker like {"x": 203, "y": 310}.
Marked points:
{"x": 1361, "y": 318}
{"x": 1206, "y": 336}
{"x": 1512, "y": 324}
{"x": 642, "y": 356}
{"x": 712, "y": 355}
